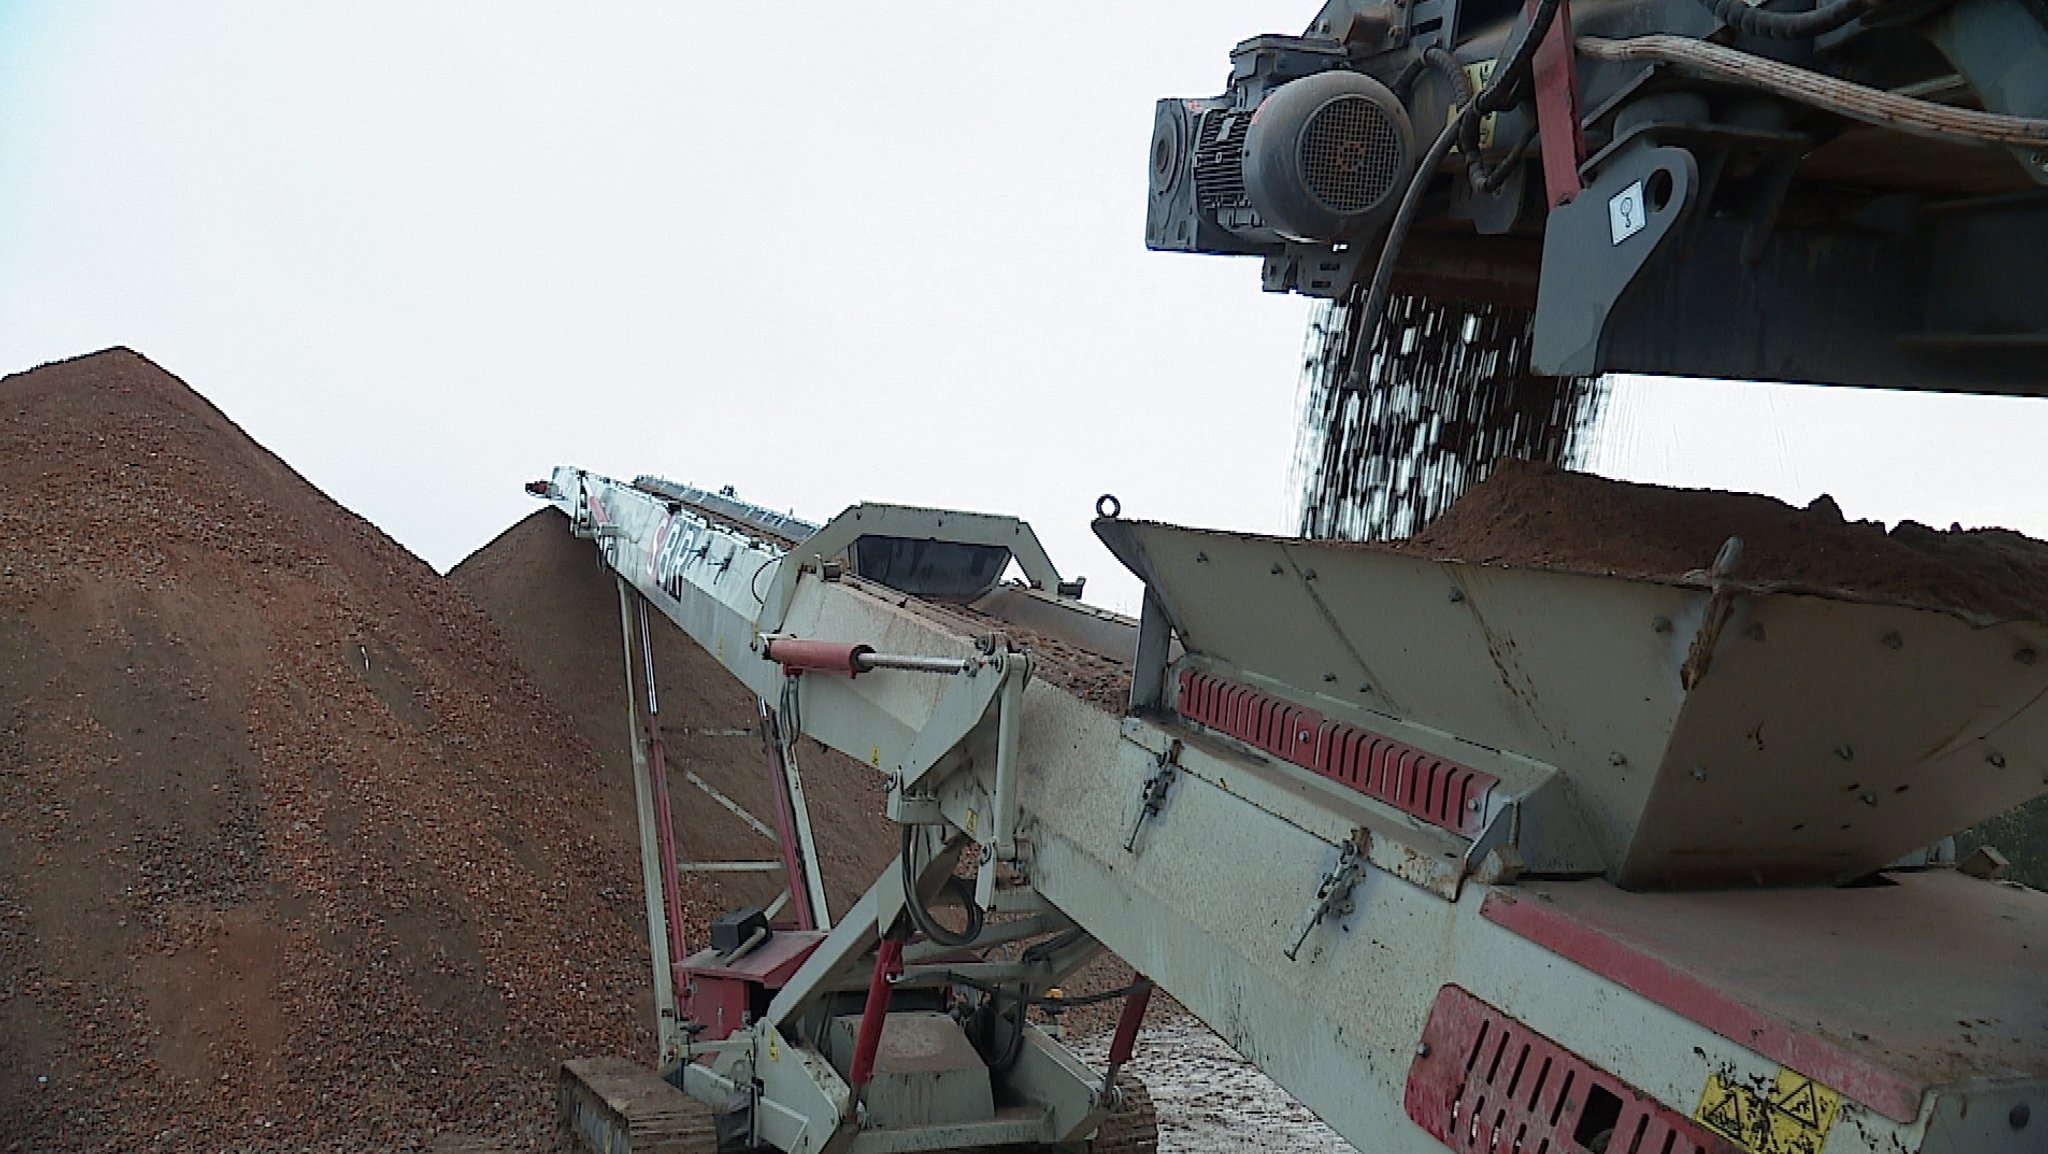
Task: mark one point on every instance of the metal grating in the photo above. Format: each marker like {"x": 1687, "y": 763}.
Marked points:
{"x": 1440, "y": 792}
{"x": 1350, "y": 155}
{"x": 1482, "y": 1080}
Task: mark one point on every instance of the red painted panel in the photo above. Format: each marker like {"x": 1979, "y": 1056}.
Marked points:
{"x": 720, "y": 994}
{"x": 1440, "y": 792}
{"x": 771, "y": 964}
{"x": 1482, "y": 1080}
{"x": 720, "y": 1004}
{"x": 1557, "y": 108}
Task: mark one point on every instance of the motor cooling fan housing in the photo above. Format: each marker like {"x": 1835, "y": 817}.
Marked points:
{"x": 1326, "y": 158}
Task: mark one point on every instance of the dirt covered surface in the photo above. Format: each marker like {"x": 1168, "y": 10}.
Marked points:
{"x": 1530, "y": 514}
{"x": 1095, "y": 679}
{"x": 296, "y": 855}
{"x": 1212, "y": 1101}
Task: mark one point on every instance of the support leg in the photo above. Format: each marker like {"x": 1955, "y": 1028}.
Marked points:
{"x": 793, "y": 825}
{"x": 657, "y": 857}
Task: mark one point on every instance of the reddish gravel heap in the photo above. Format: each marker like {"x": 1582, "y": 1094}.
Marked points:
{"x": 1538, "y": 515}
{"x": 295, "y": 854}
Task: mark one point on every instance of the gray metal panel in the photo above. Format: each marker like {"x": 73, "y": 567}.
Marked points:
{"x": 926, "y": 1071}
{"x": 1831, "y": 737}
{"x": 1563, "y": 670}
{"x": 1738, "y": 780}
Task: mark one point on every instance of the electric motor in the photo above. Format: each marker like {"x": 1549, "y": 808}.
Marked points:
{"x": 1326, "y": 158}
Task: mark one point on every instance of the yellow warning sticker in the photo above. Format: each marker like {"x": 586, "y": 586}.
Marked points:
{"x": 1793, "y": 1118}
{"x": 875, "y": 756}
{"x": 774, "y": 1046}
{"x": 970, "y": 823}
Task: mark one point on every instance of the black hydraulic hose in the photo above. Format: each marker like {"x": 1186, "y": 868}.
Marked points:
{"x": 1044, "y": 1003}
{"x": 1442, "y": 62}
{"x": 1015, "y": 1049}
{"x": 1383, "y": 274}
{"x": 1446, "y": 65}
{"x": 1819, "y": 21}
{"x": 1495, "y": 96}
{"x": 920, "y": 915}
{"x": 1502, "y": 91}
{"x": 1042, "y": 950}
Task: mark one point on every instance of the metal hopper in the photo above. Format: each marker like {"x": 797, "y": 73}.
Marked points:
{"x": 1708, "y": 732}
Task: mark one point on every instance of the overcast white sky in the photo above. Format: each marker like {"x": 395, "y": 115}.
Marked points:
{"x": 826, "y": 253}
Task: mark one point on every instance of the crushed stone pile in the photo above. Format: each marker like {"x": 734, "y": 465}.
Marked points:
{"x": 1532, "y": 514}
{"x": 296, "y": 854}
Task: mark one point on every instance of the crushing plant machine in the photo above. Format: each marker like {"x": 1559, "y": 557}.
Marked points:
{"x": 1463, "y": 856}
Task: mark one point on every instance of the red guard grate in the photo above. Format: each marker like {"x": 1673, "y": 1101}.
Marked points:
{"x": 1483, "y": 1081}
{"x": 1440, "y": 792}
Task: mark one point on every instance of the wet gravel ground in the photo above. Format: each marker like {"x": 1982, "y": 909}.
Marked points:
{"x": 1210, "y": 1100}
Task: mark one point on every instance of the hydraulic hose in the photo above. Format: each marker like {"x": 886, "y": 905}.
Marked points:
{"x": 1820, "y": 21}
{"x": 1497, "y": 94}
{"x": 1067, "y": 1002}
{"x": 1437, "y": 59}
{"x": 1404, "y": 219}
{"x": 920, "y": 914}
